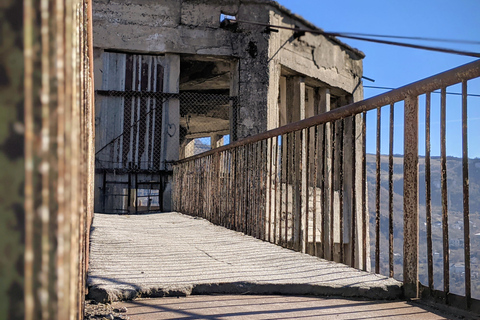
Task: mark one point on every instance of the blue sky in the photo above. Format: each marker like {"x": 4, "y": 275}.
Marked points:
{"x": 392, "y": 66}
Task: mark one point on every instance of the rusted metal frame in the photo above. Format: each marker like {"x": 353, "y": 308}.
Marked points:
{"x": 136, "y": 193}
{"x": 364, "y": 190}
{"x": 256, "y": 185}
{"x": 275, "y": 199}
{"x": 235, "y": 182}
{"x": 314, "y": 185}
{"x": 410, "y": 199}
{"x": 323, "y": 195}
{"x": 263, "y": 189}
{"x": 270, "y": 189}
{"x": 266, "y": 187}
{"x": 445, "y": 79}
{"x": 341, "y": 164}
{"x": 307, "y": 189}
{"x": 248, "y": 202}
{"x": 281, "y": 178}
{"x": 444, "y": 188}
{"x": 44, "y": 154}
{"x": 240, "y": 198}
{"x": 219, "y": 188}
{"x": 466, "y": 197}
{"x": 377, "y": 191}
{"x": 428, "y": 192}
{"x": 287, "y": 179}
{"x": 354, "y": 192}
{"x": 332, "y": 190}
{"x": 390, "y": 191}
{"x": 297, "y": 190}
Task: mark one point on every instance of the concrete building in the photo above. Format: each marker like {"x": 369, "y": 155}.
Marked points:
{"x": 169, "y": 72}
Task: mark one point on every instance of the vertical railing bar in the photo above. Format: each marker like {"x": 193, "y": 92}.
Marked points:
{"x": 410, "y": 199}
{"x": 294, "y": 167}
{"x": 263, "y": 192}
{"x": 286, "y": 186}
{"x": 354, "y": 192}
{"x": 443, "y": 163}
{"x": 270, "y": 189}
{"x": 377, "y": 192}
{"x": 234, "y": 166}
{"x": 466, "y": 196}
{"x": 390, "y": 191}
{"x": 298, "y": 177}
{"x": 276, "y": 192}
{"x": 322, "y": 200}
{"x": 340, "y": 185}
{"x": 364, "y": 190}
{"x": 281, "y": 178}
{"x": 243, "y": 187}
{"x": 255, "y": 185}
{"x": 314, "y": 184}
{"x": 428, "y": 193}
{"x": 136, "y": 191}
{"x": 332, "y": 191}
{"x": 307, "y": 189}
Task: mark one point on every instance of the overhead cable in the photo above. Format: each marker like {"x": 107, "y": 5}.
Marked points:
{"x": 360, "y": 38}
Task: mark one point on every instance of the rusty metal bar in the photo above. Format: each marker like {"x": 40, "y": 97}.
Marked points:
{"x": 377, "y": 192}
{"x": 281, "y": 178}
{"x": 323, "y": 199}
{"x": 443, "y": 168}
{"x": 332, "y": 190}
{"x": 270, "y": 189}
{"x": 297, "y": 190}
{"x": 354, "y": 192}
{"x": 286, "y": 147}
{"x": 451, "y": 77}
{"x": 390, "y": 192}
{"x": 341, "y": 161}
{"x": 307, "y": 189}
{"x": 466, "y": 197}
{"x": 428, "y": 192}
{"x": 275, "y": 191}
{"x": 364, "y": 189}
{"x": 410, "y": 199}
{"x": 315, "y": 179}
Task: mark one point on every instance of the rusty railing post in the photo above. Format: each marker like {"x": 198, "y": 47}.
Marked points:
{"x": 410, "y": 199}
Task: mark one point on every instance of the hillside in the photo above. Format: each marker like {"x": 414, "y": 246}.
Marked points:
{"x": 455, "y": 219}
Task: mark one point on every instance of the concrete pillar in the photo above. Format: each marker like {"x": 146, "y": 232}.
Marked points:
{"x": 216, "y": 140}
{"x": 170, "y": 122}
{"x": 282, "y": 104}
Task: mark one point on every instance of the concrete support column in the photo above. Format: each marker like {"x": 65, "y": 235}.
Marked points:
{"x": 170, "y": 122}
{"x": 216, "y": 140}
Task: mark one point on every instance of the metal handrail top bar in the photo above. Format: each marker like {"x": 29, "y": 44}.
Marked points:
{"x": 463, "y": 73}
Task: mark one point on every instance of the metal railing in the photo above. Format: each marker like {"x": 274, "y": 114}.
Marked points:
{"x": 305, "y": 186}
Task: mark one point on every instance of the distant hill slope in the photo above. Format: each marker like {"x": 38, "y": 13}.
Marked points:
{"x": 455, "y": 217}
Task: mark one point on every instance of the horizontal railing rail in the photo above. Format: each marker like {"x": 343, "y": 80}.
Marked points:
{"x": 309, "y": 185}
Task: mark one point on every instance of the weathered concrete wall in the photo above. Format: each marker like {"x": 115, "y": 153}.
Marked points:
{"x": 315, "y": 56}
{"x": 160, "y": 27}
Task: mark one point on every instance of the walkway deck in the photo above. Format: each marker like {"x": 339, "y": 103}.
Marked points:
{"x": 171, "y": 254}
